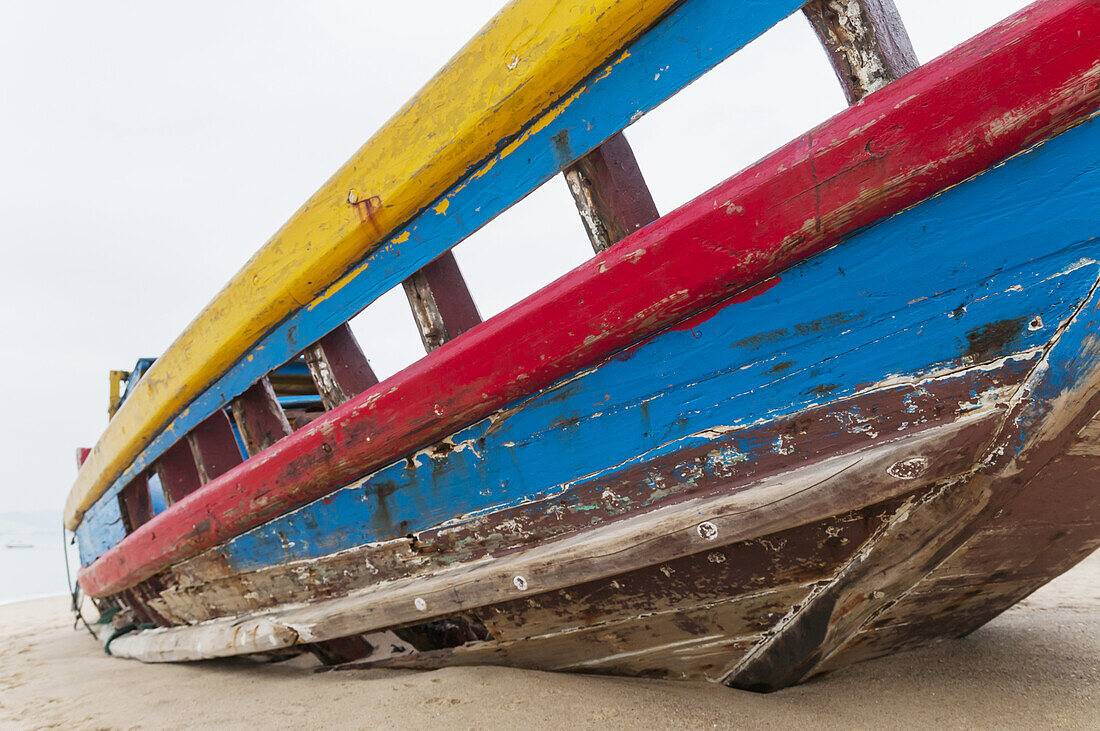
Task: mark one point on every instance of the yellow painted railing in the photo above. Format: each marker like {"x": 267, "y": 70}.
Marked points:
{"x": 527, "y": 57}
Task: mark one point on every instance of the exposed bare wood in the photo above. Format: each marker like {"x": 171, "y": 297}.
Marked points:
{"x": 865, "y": 40}
{"x": 810, "y": 493}
{"x": 919, "y": 536}
{"x": 205, "y": 586}
{"x": 259, "y": 417}
{"x": 441, "y": 302}
{"x": 689, "y": 642}
{"x": 179, "y": 477}
{"x": 610, "y": 193}
{"x": 339, "y": 368}
{"x": 214, "y": 447}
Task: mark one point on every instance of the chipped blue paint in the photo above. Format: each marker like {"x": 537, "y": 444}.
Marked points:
{"x": 684, "y": 45}
{"x": 908, "y": 297}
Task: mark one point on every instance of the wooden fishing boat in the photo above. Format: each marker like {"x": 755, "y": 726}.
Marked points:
{"x": 842, "y": 404}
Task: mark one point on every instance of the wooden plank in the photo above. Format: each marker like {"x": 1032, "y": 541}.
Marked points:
{"x": 866, "y": 42}
{"x": 259, "y": 417}
{"x": 440, "y": 302}
{"x": 177, "y": 471}
{"x": 356, "y": 537}
{"x": 339, "y": 368}
{"x": 527, "y": 57}
{"x": 137, "y": 507}
{"x": 767, "y": 218}
{"x": 205, "y": 587}
{"x": 214, "y": 447}
{"x": 698, "y": 34}
{"x": 814, "y": 492}
{"x": 610, "y": 192}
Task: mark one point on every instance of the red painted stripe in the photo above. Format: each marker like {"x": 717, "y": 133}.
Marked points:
{"x": 1023, "y": 80}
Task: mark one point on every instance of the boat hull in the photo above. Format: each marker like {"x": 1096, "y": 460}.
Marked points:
{"x": 888, "y": 444}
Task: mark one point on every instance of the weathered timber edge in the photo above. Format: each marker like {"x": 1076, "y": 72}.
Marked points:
{"x": 839, "y": 151}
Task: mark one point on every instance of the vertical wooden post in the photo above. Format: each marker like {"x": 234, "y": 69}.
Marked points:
{"x": 214, "y": 447}
{"x": 339, "y": 368}
{"x": 137, "y": 507}
{"x": 866, "y": 41}
{"x": 610, "y": 192}
{"x": 441, "y": 302}
{"x": 179, "y": 477}
{"x": 260, "y": 418}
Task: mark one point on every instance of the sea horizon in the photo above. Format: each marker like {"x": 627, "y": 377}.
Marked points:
{"x": 32, "y": 559}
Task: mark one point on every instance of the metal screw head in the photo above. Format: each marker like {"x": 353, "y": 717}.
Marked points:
{"x": 708, "y": 531}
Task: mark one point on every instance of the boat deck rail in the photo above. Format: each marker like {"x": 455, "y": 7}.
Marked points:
{"x": 555, "y": 87}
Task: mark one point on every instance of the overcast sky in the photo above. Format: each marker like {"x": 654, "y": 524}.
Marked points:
{"x": 148, "y": 149}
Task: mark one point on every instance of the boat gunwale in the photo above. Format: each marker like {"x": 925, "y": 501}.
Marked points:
{"x": 1022, "y": 130}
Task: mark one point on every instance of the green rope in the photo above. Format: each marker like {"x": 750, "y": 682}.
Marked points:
{"x": 124, "y": 631}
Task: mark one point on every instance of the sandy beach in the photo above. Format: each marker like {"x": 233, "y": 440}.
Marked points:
{"x": 1036, "y": 665}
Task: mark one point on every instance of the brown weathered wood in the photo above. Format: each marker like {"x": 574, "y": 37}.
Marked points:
{"x": 179, "y": 477}
{"x": 917, "y": 538}
{"x": 689, "y": 642}
{"x": 809, "y": 494}
{"x": 214, "y": 447}
{"x": 259, "y": 417}
{"x": 341, "y": 650}
{"x": 610, "y": 192}
{"x": 897, "y": 410}
{"x": 137, "y": 507}
{"x": 441, "y": 302}
{"x": 865, "y": 40}
{"x": 339, "y": 368}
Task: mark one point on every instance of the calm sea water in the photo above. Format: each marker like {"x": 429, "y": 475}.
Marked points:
{"x": 38, "y": 569}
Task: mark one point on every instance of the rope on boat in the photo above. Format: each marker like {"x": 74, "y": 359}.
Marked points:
{"x": 77, "y": 600}
{"x": 74, "y": 593}
{"x": 125, "y": 631}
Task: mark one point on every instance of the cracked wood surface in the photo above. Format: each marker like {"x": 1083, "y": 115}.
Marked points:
{"x": 259, "y": 417}
{"x": 1038, "y": 403}
{"x": 866, "y": 43}
{"x": 431, "y": 144}
{"x": 206, "y": 587}
{"x": 610, "y": 192}
{"x": 441, "y": 303}
{"x": 338, "y": 367}
{"x": 855, "y": 161}
{"x": 811, "y": 493}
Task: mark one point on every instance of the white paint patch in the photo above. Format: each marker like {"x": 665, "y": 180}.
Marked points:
{"x": 707, "y": 530}
{"x": 908, "y": 469}
{"x": 520, "y": 582}
{"x": 420, "y": 604}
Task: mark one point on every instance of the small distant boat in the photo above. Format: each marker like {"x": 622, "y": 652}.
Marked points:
{"x": 842, "y": 404}
{"x": 18, "y": 544}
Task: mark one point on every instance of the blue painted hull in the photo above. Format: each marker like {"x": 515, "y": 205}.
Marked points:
{"x": 945, "y": 361}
